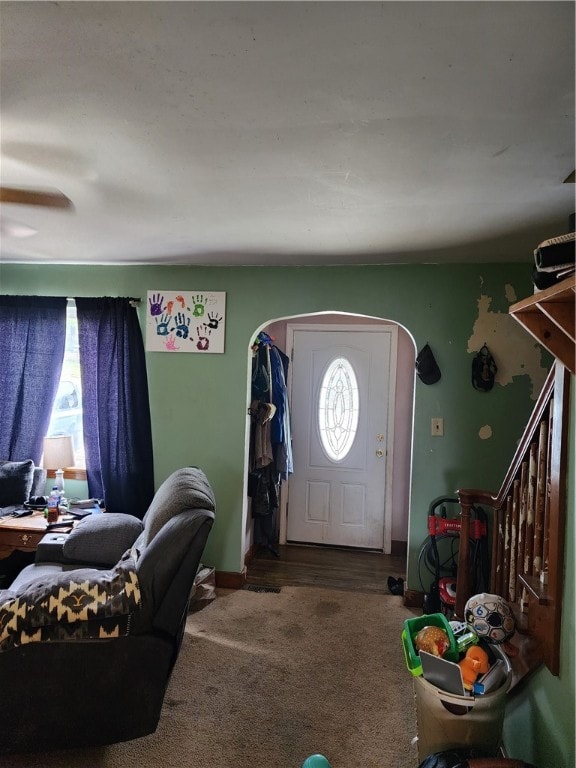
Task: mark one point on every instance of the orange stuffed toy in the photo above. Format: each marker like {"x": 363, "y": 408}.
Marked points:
{"x": 473, "y": 664}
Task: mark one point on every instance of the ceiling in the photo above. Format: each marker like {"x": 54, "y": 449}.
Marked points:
{"x": 285, "y": 132}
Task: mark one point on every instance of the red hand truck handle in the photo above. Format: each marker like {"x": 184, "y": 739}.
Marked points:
{"x": 442, "y": 526}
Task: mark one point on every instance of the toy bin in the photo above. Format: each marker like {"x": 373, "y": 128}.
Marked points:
{"x": 411, "y": 629}
{"x": 448, "y": 721}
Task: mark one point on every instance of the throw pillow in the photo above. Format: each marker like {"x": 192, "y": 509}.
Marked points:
{"x": 15, "y": 482}
{"x": 102, "y": 538}
{"x": 39, "y": 482}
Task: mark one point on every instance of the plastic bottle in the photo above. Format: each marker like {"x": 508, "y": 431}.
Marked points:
{"x": 53, "y": 504}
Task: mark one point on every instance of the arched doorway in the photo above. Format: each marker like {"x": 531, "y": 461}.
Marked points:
{"x": 401, "y": 423}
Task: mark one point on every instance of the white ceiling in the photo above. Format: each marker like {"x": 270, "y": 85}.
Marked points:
{"x": 288, "y": 132}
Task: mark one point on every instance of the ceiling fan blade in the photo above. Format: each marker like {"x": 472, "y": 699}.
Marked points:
{"x": 34, "y": 197}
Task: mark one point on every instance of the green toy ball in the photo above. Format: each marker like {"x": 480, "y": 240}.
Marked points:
{"x": 316, "y": 761}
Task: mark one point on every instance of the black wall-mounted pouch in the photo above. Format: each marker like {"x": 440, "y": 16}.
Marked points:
{"x": 483, "y": 370}
{"x": 427, "y": 367}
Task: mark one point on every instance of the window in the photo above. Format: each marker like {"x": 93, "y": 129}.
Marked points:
{"x": 66, "y": 418}
{"x": 338, "y": 409}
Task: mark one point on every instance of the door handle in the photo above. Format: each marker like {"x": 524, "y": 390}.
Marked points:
{"x": 379, "y": 453}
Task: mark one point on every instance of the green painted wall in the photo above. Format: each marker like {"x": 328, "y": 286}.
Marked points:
{"x": 198, "y": 404}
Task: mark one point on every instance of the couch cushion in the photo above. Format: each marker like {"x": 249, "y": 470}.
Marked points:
{"x": 39, "y": 571}
{"x": 102, "y": 538}
{"x": 39, "y": 482}
{"x": 186, "y": 488}
{"x": 15, "y": 482}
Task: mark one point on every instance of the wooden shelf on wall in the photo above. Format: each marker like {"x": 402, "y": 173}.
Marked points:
{"x": 549, "y": 317}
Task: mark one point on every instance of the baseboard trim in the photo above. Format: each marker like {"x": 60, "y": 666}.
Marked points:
{"x": 231, "y": 579}
{"x": 413, "y": 598}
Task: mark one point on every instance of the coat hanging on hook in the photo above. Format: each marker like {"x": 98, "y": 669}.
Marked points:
{"x": 484, "y": 370}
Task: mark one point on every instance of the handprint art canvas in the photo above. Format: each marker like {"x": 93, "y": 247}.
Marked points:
{"x": 185, "y": 321}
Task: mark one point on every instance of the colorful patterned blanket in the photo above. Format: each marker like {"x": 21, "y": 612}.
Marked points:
{"x": 84, "y": 604}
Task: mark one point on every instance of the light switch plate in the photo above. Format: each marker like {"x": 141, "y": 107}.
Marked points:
{"x": 437, "y": 427}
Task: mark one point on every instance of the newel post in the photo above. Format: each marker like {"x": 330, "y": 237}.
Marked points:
{"x": 467, "y": 500}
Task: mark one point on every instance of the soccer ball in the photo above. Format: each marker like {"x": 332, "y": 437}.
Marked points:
{"x": 490, "y": 617}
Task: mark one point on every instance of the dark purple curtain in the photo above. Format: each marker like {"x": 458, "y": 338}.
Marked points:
{"x": 32, "y": 339}
{"x": 116, "y": 409}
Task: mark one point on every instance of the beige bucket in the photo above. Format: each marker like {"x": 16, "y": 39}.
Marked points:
{"x": 447, "y": 721}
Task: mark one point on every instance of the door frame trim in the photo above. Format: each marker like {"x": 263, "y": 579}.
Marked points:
{"x": 371, "y": 327}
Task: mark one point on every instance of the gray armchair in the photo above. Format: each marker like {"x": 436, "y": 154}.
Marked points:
{"x": 88, "y": 641}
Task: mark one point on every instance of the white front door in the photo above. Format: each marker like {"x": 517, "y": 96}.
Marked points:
{"x": 341, "y": 401}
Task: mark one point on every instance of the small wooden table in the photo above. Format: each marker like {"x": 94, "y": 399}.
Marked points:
{"x": 22, "y": 533}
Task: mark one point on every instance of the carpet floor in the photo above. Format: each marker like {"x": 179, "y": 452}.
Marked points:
{"x": 265, "y": 679}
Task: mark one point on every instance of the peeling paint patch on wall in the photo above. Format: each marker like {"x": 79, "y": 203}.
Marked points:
{"x": 515, "y": 352}
{"x": 485, "y": 432}
{"x": 510, "y": 293}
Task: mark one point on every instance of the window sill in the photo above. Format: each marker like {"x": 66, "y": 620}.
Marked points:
{"x": 70, "y": 473}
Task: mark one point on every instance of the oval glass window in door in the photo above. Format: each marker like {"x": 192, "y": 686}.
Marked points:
{"x": 338, "y": 409}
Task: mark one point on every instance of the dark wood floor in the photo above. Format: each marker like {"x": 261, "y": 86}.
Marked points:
{"x": 325, "y": 567}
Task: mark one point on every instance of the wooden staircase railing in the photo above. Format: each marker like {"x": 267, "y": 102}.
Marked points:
{"x": 528, "y": 527}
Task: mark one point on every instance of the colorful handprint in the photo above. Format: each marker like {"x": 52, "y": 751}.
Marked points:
{"x": 203, "y": 341}
{"x": 170, "y": 344}
{"x": 162, "y": 325}
{"x": 182, "y": 325}
{"x": 199, "y": 302}
{"x": 214, "y": 320}
{"x": 156, "y": 304}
